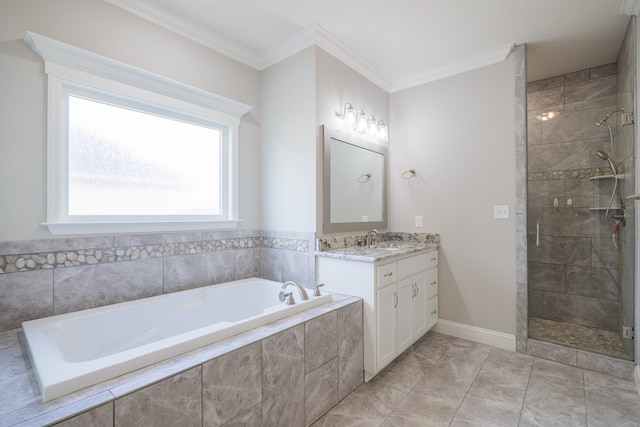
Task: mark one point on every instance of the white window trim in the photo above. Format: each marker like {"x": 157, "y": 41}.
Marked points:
{"x": 66, "y": 65}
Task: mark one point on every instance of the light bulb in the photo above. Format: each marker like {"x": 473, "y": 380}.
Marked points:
{"x": 361, "y": 121}
{"x": 382, "y": 131}
{"x": 372, "y": 125}
{"x": 349, "y": 115}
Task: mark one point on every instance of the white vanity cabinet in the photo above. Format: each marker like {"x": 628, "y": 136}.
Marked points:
{"x": 400, "y": 300}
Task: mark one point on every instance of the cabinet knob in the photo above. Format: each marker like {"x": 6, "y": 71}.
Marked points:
{"x": 388, "y": 274}
{"x": 434, "y": 282}
{"x": 434, "y": 311}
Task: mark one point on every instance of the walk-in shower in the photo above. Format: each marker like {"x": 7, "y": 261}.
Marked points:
{"x": 580, "y": 248}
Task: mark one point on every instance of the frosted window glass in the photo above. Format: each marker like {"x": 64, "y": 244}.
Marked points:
{"x": 126, "y": 162}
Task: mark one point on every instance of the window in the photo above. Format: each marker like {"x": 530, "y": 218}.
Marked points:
{"x": 129, "y": 151}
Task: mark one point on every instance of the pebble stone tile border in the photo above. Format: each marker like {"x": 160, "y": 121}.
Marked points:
{"x": 570, "y": 174}
{"x": 72, "y": 258}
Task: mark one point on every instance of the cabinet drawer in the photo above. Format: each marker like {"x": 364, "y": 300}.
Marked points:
{"x": 431, "y": 287}
{"x": 432, "y": 259}
{"x": 386, "y": 274}
{"x": 410, "y": 266}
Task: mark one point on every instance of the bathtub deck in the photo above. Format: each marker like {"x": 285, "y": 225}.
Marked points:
{"x": 20, "y": 400}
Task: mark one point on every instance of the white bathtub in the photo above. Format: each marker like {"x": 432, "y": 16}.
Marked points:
{"x": 76, "y": 350}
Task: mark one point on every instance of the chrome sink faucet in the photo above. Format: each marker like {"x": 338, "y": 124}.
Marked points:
{"x": 371, "y": 237}
{"x": 303, "y": 292}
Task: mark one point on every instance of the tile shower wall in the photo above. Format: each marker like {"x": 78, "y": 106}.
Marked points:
{"x": 46, "y": 277}
{"x": 573, "y": 273}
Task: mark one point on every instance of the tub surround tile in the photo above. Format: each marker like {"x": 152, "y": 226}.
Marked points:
{"x": 198, "y": 270}
{"x": 321, "y": 340}
{"x": 55, "y": 245}
{"x": 247, "y": 263}
{"x": 228, "y": 396}
{"x": 250, "y": 418}
{"x": 270, "y": 262}
{"x": 174, "y": 401}
{"x": 23, "y": 405}
{"x": 79, "y": 288}
{"x": 321, "y": 391}
{"x": 283, "y": 376}
{"x": 25, "y": 297}
{"x": 294, "y": 267}
{"x": 350, "y": 348}
{"x": 102, "y": 416}
{"x": 157, "y": 239}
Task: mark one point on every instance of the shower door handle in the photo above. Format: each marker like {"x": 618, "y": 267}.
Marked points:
{"x": 537, "y": 234}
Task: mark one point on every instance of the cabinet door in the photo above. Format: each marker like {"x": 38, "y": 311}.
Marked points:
{"x": 386, "y": 303}
{"x": 432, "y": 312}
{"x": 406, "y": 291}
{"x": 419, "y": 307}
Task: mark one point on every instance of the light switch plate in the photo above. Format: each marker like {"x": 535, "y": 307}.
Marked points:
{"x": 418, "y": 221}
{"x": 501, "y": 211}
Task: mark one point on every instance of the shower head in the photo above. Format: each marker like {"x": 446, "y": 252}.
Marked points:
{"x": 604, "y": 120}
{"x": 605, "y": 156}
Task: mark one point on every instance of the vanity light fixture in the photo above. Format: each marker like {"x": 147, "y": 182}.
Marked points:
{"x": 359, "y": 122}
{"x": 547, "y": 115}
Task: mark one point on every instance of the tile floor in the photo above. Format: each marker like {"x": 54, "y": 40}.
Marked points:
{"x": 446, "y": 381}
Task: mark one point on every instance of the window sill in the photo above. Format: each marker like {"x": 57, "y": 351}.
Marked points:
{"x": 78, "y": 228}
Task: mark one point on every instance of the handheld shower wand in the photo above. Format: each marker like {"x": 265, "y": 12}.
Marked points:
{"x": 605, "y": 156}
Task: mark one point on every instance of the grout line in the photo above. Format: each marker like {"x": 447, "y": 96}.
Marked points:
{"x": 470, "y": 386}
{"x": 524, "y": 399}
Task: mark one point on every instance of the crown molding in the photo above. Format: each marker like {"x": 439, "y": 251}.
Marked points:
{"x": 630, "y": 7}
{"x": 463, "y": 65}
{"x": 314, "y": 35}
{"x": 152, "y": 12}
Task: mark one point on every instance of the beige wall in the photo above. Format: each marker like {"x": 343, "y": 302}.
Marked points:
{"x": 106, "y": 30}
{"x": 337, "y": 84}
{"x": 458, "y": 134}
{"x": 287, "y": 147}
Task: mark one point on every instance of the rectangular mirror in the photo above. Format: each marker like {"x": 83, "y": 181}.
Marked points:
{"x": 355, "y": 186}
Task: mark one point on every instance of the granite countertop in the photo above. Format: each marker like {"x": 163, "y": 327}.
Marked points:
{"x": 379, "y": 252}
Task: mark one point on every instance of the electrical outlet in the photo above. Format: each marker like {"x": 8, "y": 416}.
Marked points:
{"x": 365, "y": 218}
{"x": 501, "y": 211}
{"x": 418, "y": 221}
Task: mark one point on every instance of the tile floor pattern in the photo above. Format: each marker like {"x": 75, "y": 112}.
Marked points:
{"x": 583, "y": 337}
{"x": 447, "y": 381}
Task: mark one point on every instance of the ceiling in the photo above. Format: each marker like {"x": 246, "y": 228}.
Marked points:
{"x": 395, "y": 42}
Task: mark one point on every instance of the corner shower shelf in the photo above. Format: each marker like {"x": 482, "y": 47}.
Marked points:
{"x": 634, "y": 197}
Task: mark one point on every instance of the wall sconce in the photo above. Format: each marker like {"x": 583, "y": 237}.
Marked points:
{"x": 358, "y": 121}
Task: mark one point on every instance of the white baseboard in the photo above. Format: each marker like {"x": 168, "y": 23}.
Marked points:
{"x": 636, "y": 377}
{"x": 473, "y": 333}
